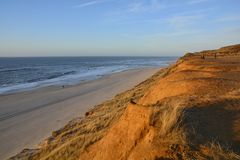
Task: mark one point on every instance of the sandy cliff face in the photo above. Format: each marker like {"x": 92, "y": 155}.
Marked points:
{"x": 193, "y": 112}
{"x": 190, "y": 110}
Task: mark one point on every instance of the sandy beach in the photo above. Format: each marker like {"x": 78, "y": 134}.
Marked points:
{"x": 27, "y": 118}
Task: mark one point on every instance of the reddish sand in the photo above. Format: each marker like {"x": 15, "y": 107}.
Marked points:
{"x": 196, "y": 105}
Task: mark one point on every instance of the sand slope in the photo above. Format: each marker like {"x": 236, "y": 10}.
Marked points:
{"x": 191, "y": 113}
{"x": 190, "y": 110}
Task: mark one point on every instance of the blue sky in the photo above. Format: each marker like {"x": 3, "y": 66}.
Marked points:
{"x": 116, "y": 27}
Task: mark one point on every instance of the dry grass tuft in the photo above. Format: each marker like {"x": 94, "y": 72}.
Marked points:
{"x": 216, "y": 151}
{"x": 167, "y": 118}
{"x": 170, "y": 119}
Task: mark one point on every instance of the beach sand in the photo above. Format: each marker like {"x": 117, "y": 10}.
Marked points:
{"x": 27, "y": 118}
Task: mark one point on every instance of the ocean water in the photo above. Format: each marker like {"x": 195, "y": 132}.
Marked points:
{"x": 18, "y": 74}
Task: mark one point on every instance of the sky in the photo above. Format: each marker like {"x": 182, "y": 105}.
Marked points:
{"x": 116, "y": 27}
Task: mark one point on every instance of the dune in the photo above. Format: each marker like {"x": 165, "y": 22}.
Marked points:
{"x": 189, "y": 110}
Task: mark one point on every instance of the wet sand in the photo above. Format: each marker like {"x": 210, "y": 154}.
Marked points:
{"x": 27, "y": 118}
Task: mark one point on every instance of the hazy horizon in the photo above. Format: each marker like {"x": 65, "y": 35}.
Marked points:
{"x": 116, "y": 27}
{"x": 63, "y": 56}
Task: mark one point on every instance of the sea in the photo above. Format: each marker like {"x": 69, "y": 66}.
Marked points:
{"x": 21, "y": 74}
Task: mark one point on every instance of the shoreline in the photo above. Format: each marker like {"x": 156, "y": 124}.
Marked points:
{"x": 59, "y": 86}
{"x": 44, "y": 110}
{"x": 50, "y": 85}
